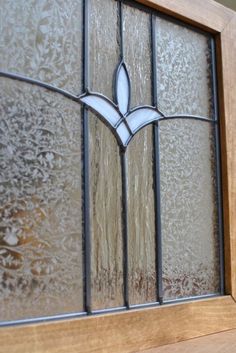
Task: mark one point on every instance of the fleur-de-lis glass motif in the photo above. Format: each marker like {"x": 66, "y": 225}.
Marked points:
{"x": 123, "y": 121}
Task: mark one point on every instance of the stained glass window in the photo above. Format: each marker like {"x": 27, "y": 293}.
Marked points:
{"x": 109, "y": 160}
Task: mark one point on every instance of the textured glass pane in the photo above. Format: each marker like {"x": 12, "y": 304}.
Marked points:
{"x": 104, "y": 47}
{"x": 42, "y": 39}
{"x": 40, "y": 212}
{"x": 141, "y": 220}
{"x": 137, "y": 54}
{"x": 105, "y": 180}
{"x": 188, "y": 209}
{"x": 183, "y": 70}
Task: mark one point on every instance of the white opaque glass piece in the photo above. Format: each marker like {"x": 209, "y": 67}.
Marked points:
{"x": 123, "y": 90}
{"x": 123, "y": 133}
{"x": 102, "y": 107}
{"x": 141, "y": 117}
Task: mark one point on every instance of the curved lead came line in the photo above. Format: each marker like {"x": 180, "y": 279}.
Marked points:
{"x": 145, "y": 106}
{"x": 40, "y": 84}
{"x": 140, "y": 128}
{"x": 66, "y": 94}
{"x": 187, "y": 116}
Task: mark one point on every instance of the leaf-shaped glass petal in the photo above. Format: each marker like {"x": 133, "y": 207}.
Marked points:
{"x": 102, "y": 106}
{"x": 141, "y": 117}
{"x": 123, "y": 133}
{"x": 123, "y": 89}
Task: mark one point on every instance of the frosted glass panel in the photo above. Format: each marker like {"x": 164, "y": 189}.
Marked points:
{"x": 40, "y": 213}
{"x": 141, "y": 219}
{"x": 188, "y": 209}
{"x": 183, "y": 70}
{"x": 105, "y": 180}
{"x": 42, "y": 40}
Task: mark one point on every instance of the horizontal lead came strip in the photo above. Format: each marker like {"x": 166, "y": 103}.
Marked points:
{"x": 43, "y": 319}
{"x": 105, "y": 311}
{"x": 124, "y": 308}
{"x": 187, "y": 299}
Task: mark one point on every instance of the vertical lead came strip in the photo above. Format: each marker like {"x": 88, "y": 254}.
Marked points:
{"x": 218, "y": 164}
{"x": 156, "y": 169}
{"x": 121, "y": 30}
{"x": 124, "y": 188}
{"x": 87, "y": 240}
{"x": 125, "y": 228}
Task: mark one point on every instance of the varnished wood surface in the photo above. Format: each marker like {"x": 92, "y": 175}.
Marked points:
{"x": 228, "y": 113}
{"x": 224, "y": 342}
{"x": 206, "y": 14}
{"x": 123, "y": 332}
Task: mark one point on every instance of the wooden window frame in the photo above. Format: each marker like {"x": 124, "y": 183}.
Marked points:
{"x": 135, "y": 330}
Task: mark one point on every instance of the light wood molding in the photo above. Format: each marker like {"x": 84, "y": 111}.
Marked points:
{"x": 208, "y": 15}
{"x": 123, "y": 332}
{"x": 227, "y": 79}
{"x": 224, "y": 342}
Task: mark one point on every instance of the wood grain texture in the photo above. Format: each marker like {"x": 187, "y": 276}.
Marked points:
{"x": 123, "y": 332}
{"x": 228, "y": 112}
{"x": 217, "y": 343}
{"x": 214, "y": 18}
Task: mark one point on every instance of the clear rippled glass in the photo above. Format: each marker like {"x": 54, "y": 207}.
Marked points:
{"x": 141, "y": 213}
{"x": 105, "y": 170}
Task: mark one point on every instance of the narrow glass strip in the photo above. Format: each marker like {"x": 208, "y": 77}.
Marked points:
{"x": 140, "y": 190}
{"x": 87, "y": 240}
{"x": 104, "y": 162}
{"x": 218, "y": 165}
{"x": 156, "y": 167}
